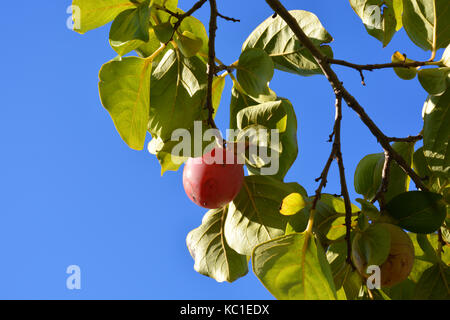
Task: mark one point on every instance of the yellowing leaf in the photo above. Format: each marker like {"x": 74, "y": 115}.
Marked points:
{"x": 125, "y": 92}
{"x": 292, "y": 204}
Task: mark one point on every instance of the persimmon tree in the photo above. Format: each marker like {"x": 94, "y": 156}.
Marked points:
{"x": 302, "y": 244}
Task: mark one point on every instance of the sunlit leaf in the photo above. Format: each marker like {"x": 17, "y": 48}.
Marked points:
{"x": 434, "y": 80}
{"x": 276, "y": 38}
{"x": 419, "y": 22}
{"x": 254, "y": 71}
{"x": 208, "y": 246}
{"x": 379, "y": 17}
{"x": 436, "y": 134}
{"x": 125, "y": 92}
{"x": 254, "y": 215}
{"x": 91, "y": 14}
{"x": 294, "y": 270}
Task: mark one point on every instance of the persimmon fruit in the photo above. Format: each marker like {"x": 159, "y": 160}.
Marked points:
{"x": 213, "y": 180}
{"x": 399, "y": 263}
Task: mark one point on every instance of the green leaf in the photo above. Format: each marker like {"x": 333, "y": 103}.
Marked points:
{"x": 269, "y": 114}
{"x": 424, "y": 260}
{"x": 434, "y": 81}
{"x": 403, "y": 73}
{"x": 420, "y": 164}
{"x": 401, "y": 291}
{"x": 431, "y": 180}
{"x": 125, "y": 91}
{"x": 164, "y": 31}
{"x": 276, "y": 115}
{"x": 372, "y": 245}
{"x": 399, "y": 180}
{"x": 276, "y": 38}
{"x": 177, "y": 95}
{"x": 239, "y": 101}
{"x": 131, "y": 24}
{"x": 162, "y": 151}
{"x": 91, "y": 14}
{"x": 213, "y": 257}
{"x": 427, "y": 248}
{"x": 368, "y": 209}
{"x": 436, "y": 133}
{"x": 344, "y": 275}
{"x": 379, "y": 18}
{"x": 419, "y": 22}
{"x": 418, "y": 211}
{"x": 189, "y": 44}
{"x": 155, "y": 33}
{"x": 130, "y": 29}
{"x": 146, "y": 49}
{"x": 368, "y": 173}
{"x": 160, "y": 15}
{"x": 254, "y": 216}
{"x": 329, "y": 219}
{"x": 292, "y": 269}
{"x": 168, "y": 153}
{"x": 217, "y": 90}
{"x": 445, "y": 234}
{"x": 298, "y": 222}
{"x": 434, "y": 284}
{"x": 192, "y": 38}
{"x": 254, "y": 71}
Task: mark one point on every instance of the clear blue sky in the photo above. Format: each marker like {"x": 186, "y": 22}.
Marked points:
{"x": 71, "y": 192}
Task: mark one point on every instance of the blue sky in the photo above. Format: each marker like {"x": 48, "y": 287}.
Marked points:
{"x": 71, "y": 192}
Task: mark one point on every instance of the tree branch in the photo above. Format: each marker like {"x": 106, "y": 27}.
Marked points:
{"x": 211, "y": 61}
{"x": 407, "y": 139}
{"x": 227, "y": 18}
{"x": 337, "y": 86}
{"x": 344, "y": 188}
{"x": 371, "y": 67}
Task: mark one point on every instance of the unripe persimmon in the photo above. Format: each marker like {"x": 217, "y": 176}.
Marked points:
{"x": 399, "y": 262}
{"x": 213, "y": 180}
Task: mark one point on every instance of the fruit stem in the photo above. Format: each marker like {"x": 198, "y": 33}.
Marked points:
{"x": 157, "y": 52}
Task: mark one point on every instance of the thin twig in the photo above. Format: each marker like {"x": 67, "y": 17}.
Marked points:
{"x": 337, "y": 86}
{"x": 227, "y": 18}
{"x": 344, "y": 188}
{"x": 211, "y": 61}
{"x": 379, "y": 196}
{"x": 406, "y": 139}
{"x": 371, "y": 67}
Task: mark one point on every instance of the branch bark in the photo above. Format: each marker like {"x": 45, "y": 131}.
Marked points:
{"x": 344, "y": 188}
{"x": 371, "y": 67}
{"x": 211, "y": 61}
